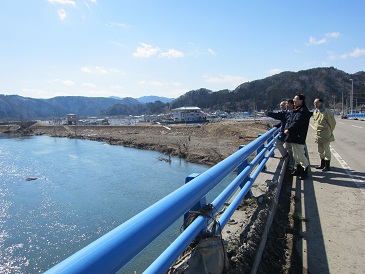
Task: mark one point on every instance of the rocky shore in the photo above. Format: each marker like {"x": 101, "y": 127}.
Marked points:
{"x": 204, "y": 144}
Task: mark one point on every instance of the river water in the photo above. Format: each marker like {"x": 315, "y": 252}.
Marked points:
{"x": 57, "y": 195}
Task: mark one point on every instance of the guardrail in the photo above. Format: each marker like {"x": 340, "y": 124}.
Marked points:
{"x": 356, "y": 116}
{"x": 111, "y": 252}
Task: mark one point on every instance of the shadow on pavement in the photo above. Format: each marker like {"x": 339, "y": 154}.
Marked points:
{"x": 314, "y": 255}
{"x": 337, "y": 176}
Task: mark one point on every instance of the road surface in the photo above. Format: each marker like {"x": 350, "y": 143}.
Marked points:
{"x": 332, "y": 204}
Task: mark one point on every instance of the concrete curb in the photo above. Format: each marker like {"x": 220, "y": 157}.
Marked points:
{"x": 278, "y": 177}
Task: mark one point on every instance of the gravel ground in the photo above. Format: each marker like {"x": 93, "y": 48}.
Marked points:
{"x": 205, "y": 144}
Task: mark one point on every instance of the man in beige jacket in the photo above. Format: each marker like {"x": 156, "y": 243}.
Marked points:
{"x": 324, "y": 124}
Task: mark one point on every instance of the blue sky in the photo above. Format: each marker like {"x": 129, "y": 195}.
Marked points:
{"x": 134, "y": 48}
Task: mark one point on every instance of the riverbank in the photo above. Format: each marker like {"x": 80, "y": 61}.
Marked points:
{"x": 204, "y": 144}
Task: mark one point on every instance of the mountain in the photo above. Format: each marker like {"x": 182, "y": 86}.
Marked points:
{"x": 82, "y": 106}
{"x": 151, "y": 99}
{"x": 17, "y": 107}
{"x": 130, "y": 106}
{"x": 326, "y": 83}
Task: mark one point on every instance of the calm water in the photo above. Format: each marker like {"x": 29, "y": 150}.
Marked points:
{"x": 82, "y": 190}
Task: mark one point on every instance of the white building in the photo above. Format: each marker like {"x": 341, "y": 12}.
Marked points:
{"x": 188, "y": 115}
{"x": 71, "y": 119}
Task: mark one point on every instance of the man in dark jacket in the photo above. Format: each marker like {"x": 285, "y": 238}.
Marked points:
{"x": 296, "y": 131}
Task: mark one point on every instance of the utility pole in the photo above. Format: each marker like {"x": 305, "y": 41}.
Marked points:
{"x": 334, "y": 103}
{"x": 351, "y": 96}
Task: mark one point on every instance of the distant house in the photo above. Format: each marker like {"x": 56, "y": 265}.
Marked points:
{"x": 97, "y": 121}
{"x": 188, "y": 115}
{"x": 71, "y": 119}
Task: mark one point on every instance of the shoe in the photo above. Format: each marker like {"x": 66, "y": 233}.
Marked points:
{"x": 326, "y": 165}
{"x": 298, "y": 171}
{"x": 322, "y": 165}
{"x": 283, "y": 157}
{"x": 304, "y": 175}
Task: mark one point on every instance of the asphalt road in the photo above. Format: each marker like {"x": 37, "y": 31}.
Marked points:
{"x": 350, "y": 143}
{"x": 331, "y": 204}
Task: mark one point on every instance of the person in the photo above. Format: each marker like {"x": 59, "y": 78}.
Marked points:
{"x": 296, "y": 130}
{"x": 289, "y": 109}
{"x": 281, "y": 115}
{"x": 324, "y": 124}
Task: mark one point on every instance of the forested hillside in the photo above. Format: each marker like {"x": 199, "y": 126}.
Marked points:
{"x": 328, "y": 83}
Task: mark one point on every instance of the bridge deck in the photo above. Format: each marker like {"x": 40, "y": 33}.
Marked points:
{"x": 332, "y": 208}
{"x": 328, "y": 210}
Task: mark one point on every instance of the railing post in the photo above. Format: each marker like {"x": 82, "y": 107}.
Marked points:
{"x": 240, "y": 168}
{"x": 268, "y": 141}
{"x": 199, "y": 205}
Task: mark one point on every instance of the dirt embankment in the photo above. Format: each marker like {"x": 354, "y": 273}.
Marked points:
{"x": 206, "y": 144}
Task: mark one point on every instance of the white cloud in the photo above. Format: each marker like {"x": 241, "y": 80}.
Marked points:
{"x": 119, "y": 45}
{"x": 333, "y": 34}
{"x": 116, "y": 87}
{"x": 63, "y": 2}
{"x": 35, "y": 93}
{"x": 274, "y": 71}
{"x": 156, "y": 84}
{"x": 62, "y": 14}
{"x": 90, "y": 85}
{"x": 357, "y": 52}
{"x": 159, "y": 84}
{"x": 145, "y": 51}
{"x": 68, "y": 82}
{"x": 152, "y": 83}
{"x": 87, "y": 5}
{"x": 86, "y": 69}
{"x": 314, "y": 41}
{"x": 227, "y": 79}
{"x": 172, "y": 53}
{"x": 212, "y": 52}
{"x": 100, "y": 70}
{"x": 116, "y": 24}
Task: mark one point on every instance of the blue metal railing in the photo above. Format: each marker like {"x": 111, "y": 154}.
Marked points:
{"x": 356, "y": 116}
{"x": 114, "y": 250}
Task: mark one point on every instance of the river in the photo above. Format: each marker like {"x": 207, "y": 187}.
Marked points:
{"x": 57, "y": 195}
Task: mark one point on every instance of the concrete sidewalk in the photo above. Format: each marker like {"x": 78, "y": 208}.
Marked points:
{"x": 331, "y": 209}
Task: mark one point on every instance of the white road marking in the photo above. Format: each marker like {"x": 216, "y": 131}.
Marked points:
{"x": 358, "y": 182}
{"x": 356, "y": 126}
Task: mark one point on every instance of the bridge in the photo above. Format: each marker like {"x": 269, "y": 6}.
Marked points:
{"x": 329, "y": 234}
{"x": 355, "y": 116}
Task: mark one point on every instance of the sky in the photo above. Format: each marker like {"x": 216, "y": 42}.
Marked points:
{"x": 135, "y": 48}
